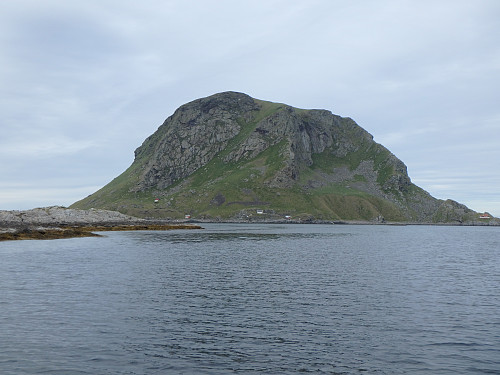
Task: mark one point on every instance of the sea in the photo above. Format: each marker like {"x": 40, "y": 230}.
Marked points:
{"x": 254, "y": 299}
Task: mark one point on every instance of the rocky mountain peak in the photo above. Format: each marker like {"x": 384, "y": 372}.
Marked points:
{"x": 226, "y": 153}
{"x": 191, "y": 137}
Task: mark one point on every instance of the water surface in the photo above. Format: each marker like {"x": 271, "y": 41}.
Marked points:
{"x": 270, "y": 299}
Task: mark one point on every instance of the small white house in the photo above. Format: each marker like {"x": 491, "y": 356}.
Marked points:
{"x": 260, "y": 212}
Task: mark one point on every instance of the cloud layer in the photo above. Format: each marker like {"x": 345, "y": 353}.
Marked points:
{"x": 84, "y": 83}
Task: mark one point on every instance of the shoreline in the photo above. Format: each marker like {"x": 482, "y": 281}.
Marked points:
{"x": 54, "y": 233}
{"x": 58, "y": 222}
{"x": 343, "y": 222}
{"x": 65, "y": 231}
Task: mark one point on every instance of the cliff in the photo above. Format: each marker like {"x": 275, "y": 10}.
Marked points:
{"x": 228, "y": 156}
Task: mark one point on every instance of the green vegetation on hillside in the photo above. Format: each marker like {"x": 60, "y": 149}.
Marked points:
{"x": 352, "y": 178}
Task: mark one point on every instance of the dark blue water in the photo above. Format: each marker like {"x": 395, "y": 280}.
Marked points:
{"x": 270, "y": 299}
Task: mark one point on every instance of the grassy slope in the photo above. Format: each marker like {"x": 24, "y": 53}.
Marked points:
{"x": 241, "y": 187}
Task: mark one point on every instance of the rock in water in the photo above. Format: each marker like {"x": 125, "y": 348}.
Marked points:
{"x": 229, "y": 156}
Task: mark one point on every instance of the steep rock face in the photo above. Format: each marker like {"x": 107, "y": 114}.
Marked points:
{"x": 190, "y": 138}
{"x": 198, "y": 131}
{"x": 228, "y": 154}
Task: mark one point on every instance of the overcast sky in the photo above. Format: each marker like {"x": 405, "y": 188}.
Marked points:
{"x": 83, "y": 83}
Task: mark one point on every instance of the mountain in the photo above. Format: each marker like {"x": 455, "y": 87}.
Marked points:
{"x": 229, "y": 156}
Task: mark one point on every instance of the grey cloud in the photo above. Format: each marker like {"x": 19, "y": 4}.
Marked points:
{"x": 93, "y": 79}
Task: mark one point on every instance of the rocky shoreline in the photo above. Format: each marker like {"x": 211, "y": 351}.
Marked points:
{"x": 494, "y": 222}
{"x": 59, "y": 222}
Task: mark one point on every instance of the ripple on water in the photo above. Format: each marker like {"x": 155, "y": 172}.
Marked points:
{"x": 254, "y": 299}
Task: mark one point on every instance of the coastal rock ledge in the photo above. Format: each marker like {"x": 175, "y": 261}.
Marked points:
{"x": 57, "y": 216}
{"x": 60, "y": 222}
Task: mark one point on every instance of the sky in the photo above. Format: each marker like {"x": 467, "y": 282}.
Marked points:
{"x": 83, "y": 83}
